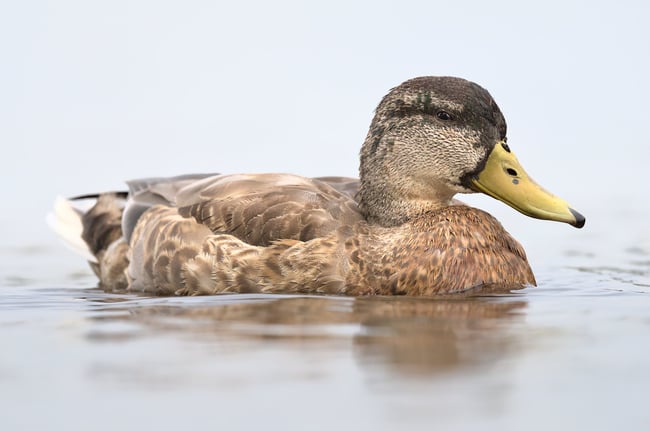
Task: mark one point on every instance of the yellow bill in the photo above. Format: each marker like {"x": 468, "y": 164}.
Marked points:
{"x": 504, "y": 179}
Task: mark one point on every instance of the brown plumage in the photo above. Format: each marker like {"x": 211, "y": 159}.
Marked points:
{"x": 397, "y": 231}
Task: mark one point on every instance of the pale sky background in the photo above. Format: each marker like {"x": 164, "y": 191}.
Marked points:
{"x": 96, "y": 92}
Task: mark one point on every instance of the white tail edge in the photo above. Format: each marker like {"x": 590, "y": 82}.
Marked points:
{"x": 65, "y": 220}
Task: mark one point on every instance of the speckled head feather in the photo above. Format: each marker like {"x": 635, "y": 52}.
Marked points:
{"x": 427, "y": 136}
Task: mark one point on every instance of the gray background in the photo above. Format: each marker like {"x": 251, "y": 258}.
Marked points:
{"x": 93, "y": 93}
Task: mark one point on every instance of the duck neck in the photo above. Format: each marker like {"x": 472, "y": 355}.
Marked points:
{"x": 392, "y": 189}
{"x": 389, "y": 203}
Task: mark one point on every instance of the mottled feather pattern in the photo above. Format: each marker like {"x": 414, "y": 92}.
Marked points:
{"x": 162, "y": 242}
{"x": 441, "y": 253}
{"x": 448, "y": 251}
{"x": 102, "y": 231}
{"x": 452, "y": 250}
{"x": 102, "y": 223}
{"x": 261, "y": 211}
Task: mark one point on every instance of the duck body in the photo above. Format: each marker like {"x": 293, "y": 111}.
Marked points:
{"x": 278, "y": 233}
{"x": 396, "y": 231}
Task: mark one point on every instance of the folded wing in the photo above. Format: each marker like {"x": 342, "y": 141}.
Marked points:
{"x": 256, "y": 208}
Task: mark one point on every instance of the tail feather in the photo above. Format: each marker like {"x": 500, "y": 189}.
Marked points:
{"x": 102, "y": 224}
{"x": 66, "y": 221}
{"x": 121, "y": 195}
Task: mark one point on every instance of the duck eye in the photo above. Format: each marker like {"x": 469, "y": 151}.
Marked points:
{"x": 444, "y": 116}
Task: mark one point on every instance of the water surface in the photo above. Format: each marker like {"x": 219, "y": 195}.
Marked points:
{"x": 572, "y": 353}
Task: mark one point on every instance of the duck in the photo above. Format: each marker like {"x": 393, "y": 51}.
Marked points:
{"x": 396, "y": 230}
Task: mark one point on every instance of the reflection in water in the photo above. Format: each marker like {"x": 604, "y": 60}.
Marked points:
{"x": 409, "y": 335}
{"x": 436, "y": 335}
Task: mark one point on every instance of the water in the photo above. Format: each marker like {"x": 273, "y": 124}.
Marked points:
{"x": 572, "y": 353}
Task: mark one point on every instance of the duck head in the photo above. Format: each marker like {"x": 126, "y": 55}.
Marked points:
{"x": 433, "y": 137}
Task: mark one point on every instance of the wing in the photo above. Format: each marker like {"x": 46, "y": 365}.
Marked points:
{"x": 262, "y": 208}
{"x": 347, "y": 186}
{"x": 144, "y": 193}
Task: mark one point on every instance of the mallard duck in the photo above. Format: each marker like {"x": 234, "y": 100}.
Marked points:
{"x": 396, "y": 231}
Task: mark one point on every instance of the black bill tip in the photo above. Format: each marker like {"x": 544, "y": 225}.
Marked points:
{"x": 580, "y": 219}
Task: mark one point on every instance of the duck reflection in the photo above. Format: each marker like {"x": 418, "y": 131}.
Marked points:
{"x": 437, "y": 335}
{"x": 409, "y": 335}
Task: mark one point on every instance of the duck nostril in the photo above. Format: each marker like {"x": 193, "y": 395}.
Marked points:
{"x": 511, "y": 172}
